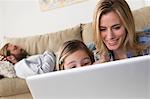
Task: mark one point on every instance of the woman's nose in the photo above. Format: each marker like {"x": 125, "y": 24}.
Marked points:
{"x": 110, "y": 34}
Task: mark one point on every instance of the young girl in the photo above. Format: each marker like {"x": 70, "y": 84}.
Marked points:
{"x": 74, "y": 54}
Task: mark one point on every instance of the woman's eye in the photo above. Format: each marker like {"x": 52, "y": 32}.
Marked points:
{"x": 117, "y": 27}
{"x": 102, "y": 30}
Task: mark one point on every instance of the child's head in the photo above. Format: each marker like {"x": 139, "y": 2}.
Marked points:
{"x": 74, "y": 54}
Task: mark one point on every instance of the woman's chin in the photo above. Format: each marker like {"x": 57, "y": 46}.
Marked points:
{"x": 112, "y": 47}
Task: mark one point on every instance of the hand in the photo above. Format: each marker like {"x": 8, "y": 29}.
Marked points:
{"x": 11, "y": 59}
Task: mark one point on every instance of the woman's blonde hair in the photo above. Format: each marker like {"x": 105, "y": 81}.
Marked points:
{"x": 68, "y": 48}
{"x": 122, "y": 9}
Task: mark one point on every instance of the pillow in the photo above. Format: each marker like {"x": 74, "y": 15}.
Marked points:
{"x": 51, "y": 41}
{"x": 144, "y": 38}
{"x": 7, "y": 69}
{"x": 147, "y": 29}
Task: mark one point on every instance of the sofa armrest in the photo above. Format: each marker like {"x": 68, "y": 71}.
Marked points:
{"x": 12, "y": 86}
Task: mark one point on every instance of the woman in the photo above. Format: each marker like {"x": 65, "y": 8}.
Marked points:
{"x": 114, "y": 31}
{"x": 73, "y": 54}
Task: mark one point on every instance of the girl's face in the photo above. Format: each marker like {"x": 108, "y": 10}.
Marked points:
{"x": 77, "y": 59}
{"x": 112, "y": 30}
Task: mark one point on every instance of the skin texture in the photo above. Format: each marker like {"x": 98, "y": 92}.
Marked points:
{"x": 77, "y": 59}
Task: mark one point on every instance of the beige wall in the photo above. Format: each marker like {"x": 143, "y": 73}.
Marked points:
{"x": 136, "y": 4}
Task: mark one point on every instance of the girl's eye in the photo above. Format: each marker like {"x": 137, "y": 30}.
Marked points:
{"x": 86, "y": 63}
{"x": 73, "y": 66}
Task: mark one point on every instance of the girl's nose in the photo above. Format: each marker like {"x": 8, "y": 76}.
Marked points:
{"x": 78, "y": 65}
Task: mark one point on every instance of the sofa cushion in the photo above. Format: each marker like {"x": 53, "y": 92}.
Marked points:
{"x": 51, "y": 41}
{"x": 12, "y": 86}
{"x": 19, "y": 96}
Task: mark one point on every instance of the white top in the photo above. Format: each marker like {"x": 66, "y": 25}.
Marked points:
{"x": 36, "y": 64}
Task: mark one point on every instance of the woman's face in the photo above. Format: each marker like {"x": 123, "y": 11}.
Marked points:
{"x": 112, "y": 30}
{"x": 77, "y": 59}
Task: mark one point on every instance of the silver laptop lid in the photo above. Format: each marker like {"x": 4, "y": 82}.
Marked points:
{"x": 122, "y": 79}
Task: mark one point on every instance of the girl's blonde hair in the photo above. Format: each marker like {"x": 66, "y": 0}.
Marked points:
{"x": 122, "y": 9}
{"x": 68, "y": 48}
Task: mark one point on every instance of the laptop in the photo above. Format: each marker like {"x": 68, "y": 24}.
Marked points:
{"x": 121, "y": 79}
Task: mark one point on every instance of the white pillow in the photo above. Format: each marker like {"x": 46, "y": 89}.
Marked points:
{"x": 7, "y": 69}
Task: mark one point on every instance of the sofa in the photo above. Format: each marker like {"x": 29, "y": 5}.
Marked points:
{"x": 16, "y": 88}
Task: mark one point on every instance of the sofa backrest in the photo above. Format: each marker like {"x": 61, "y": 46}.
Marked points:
{"x": 51, "y": 41}
{"x": 142, "y": 18}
